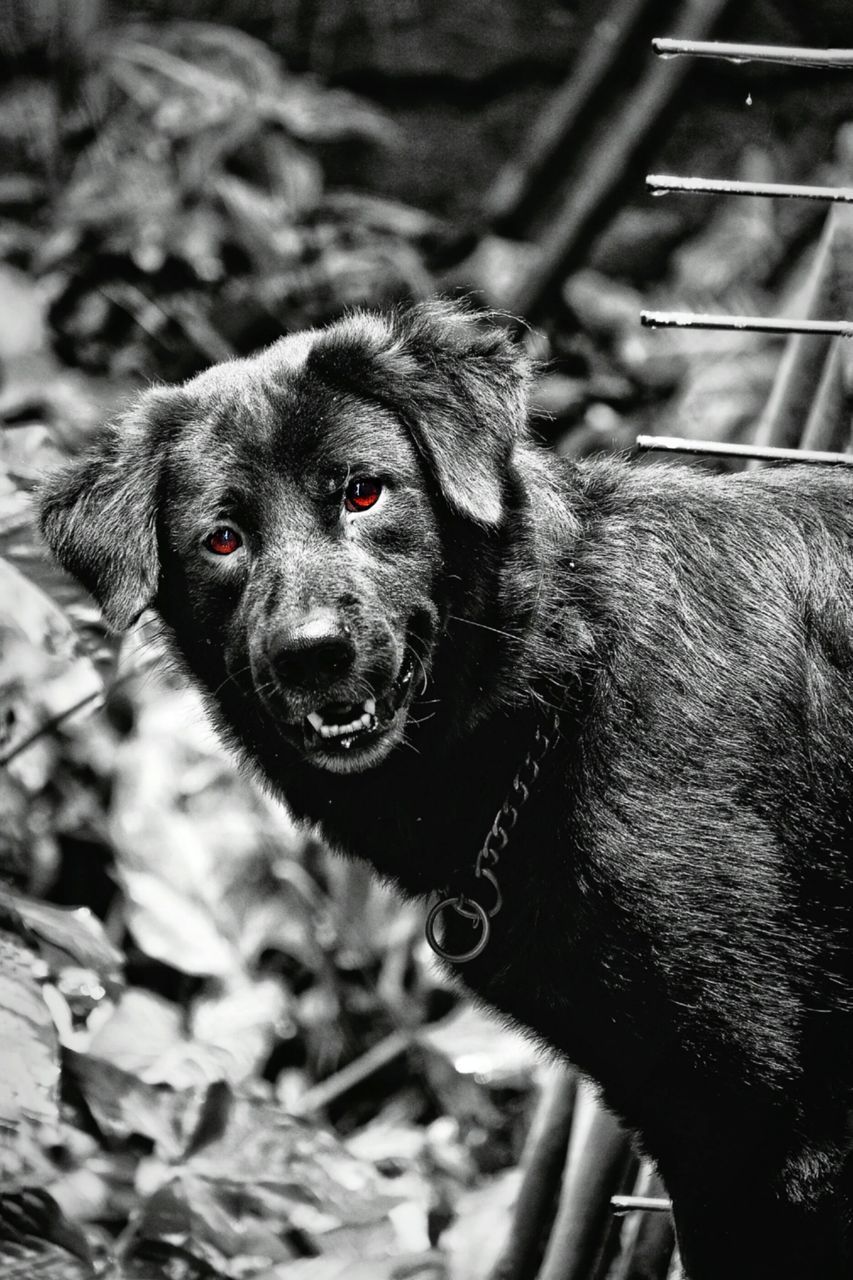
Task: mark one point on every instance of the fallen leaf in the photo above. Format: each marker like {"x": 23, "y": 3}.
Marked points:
{"x": 123, "y": 1106}
{"x": 29, "y": 1066}
{"x": 140, "y": 1030}
{"x": 67, "y": 938}
{"x": 317, "y": 1184}
{"x": 192, "y": 836}
{"x": 43, "y": 675}
{"x": 192, "y": 1217}
{"x": 229, "y": 1036}
{"x": 37, "y": 1241}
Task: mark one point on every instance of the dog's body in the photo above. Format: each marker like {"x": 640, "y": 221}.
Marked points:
{"x": 355, "y": 511}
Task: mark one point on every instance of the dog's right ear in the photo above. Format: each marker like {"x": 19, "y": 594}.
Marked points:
{"x": 454, "y": 377}
{"x": 99, "y": 513}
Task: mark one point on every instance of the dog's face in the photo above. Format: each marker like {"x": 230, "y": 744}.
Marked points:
{"x": 308, "y": 557}
{"x": 288, "y": 516}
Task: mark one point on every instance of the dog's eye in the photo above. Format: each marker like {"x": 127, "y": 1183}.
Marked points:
{"x": 362, "y": 493}
{"x": 223, "y": 541}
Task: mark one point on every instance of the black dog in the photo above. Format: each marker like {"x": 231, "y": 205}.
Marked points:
{"x": 387, "y": 591}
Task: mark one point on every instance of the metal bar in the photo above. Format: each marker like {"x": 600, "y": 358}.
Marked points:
{"x": 646, "y": 1239}
{"x": 723, "y": 449}
{"x": 838, "y": 59}
{"x": 651, "y": 1204}
{"x": 748, "y": 324}
{"x": 660, "y": 184}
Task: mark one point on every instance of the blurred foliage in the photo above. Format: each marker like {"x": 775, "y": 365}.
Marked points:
{"x": 170, "y": 194}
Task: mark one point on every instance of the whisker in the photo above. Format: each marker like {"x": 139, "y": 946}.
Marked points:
{"x": 424, "y": 672}
{"x": 469, "y": 622}
{"x": 231, "y": 675}
{"x": 422, "y": 719}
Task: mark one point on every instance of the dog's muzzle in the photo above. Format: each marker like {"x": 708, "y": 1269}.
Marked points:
{"x": 343, "y": 725}
{"x": 341, "y": 715}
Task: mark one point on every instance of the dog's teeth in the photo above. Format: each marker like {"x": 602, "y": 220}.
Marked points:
{"x": 344, "y": 732}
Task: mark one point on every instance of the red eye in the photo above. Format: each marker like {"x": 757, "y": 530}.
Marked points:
{"x": 224, "y": 541}
{"x": 362, "y": 493}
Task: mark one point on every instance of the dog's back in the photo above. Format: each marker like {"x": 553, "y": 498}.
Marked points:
{"x": 714, "y": 815}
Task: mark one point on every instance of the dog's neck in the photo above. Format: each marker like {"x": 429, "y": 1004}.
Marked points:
{"x": 421, "y": 817}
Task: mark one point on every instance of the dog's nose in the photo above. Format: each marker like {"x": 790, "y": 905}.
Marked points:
{"x": 315, "y": 650}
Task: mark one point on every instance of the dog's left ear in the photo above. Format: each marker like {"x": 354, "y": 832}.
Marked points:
{"x": 99, "y": 514}
{"x": 458, "y": 381}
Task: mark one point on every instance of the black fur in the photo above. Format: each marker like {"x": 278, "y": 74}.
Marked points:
{"x": 678, "y": 892}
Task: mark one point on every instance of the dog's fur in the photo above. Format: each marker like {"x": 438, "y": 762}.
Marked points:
{"x": 678, "y": 894}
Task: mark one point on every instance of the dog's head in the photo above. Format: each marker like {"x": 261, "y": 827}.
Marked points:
{"x": 288, "y": 516}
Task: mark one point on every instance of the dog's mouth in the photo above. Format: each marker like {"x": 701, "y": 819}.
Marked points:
{"x": 347, "y": 734}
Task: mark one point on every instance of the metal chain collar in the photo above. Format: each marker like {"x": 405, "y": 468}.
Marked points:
{"x": 467, "y": 905}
